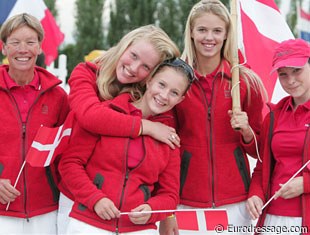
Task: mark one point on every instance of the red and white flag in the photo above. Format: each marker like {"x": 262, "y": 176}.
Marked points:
{"x": 202, "y": 220}
{"x": 261, "y": 28}
{"x": 53, "y": 36}
{"x": 303, "y": 19}
{"x": 48, "y": 143}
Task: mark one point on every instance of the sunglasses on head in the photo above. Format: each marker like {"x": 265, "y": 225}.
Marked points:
{"x": 179, "y": 63}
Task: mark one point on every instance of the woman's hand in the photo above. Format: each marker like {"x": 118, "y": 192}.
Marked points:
{"x": 254, "y": 206}
{"x": 169, "y": 226}
{"x": 106, "y": 209}
{"x": 161, "y": 132}
{"x": 140, "y": 218}
{"x": 239, "y": 121}
{"x": 293, "y": 189}
{"x": 7, "y": 192}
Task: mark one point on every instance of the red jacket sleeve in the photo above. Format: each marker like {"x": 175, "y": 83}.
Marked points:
{"x": 167, "y": 194}
{"x": 93, "y": 114}
{"x": 72, "y": 167}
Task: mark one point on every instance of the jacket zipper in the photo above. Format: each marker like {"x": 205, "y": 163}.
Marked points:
{"x": 23, "y": 144}
{"x": 24, "y": 173}
{"x": 123, "y": 187}
{"x": 208, "y": 109}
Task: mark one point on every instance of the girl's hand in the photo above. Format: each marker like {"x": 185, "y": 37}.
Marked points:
{"x": 161, "y": 132}
{"x": 293, "y": 189}
{"x": 239, "y": 121}
{"x": 254, "y": 206}
{"x": 169, "y": 226}
{"x": 106, "y": 209}
{"x": 140, "y": 218}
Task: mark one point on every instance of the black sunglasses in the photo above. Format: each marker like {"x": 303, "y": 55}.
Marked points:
{"x": 177, "y": 62}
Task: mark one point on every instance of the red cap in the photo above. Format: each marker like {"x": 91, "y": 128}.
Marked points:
{"x": 291, "y": 53}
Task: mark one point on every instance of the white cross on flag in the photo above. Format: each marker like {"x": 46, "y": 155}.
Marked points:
{"x": 48, "y": 143}
{"x": 202, "y": 220}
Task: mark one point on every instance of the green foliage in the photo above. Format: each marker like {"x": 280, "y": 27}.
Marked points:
{"x": 51, "y": 6}
{"x": 126, "y": 15}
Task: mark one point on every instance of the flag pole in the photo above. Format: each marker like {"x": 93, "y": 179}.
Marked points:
{"x": 235, "y": 88}
{"x": 18, "y": 176}
{"x": 286, "y": 183}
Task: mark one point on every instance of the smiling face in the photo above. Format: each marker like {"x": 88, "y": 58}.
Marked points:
{"x": 296, "y": 82}
{"x": 22, "y": 48}
{"x": 164, "y": 91}
{"x": 208, "y": 34}
{"x": 137, "y": 62}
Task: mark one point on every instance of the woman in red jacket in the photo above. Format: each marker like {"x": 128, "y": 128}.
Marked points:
{"x": 126, "y": 65}
{"x": 108, "y": 174}
{"x": 215, "y": 170}
{"x": 285, "y": 147}
{"x": 30, "y": 97}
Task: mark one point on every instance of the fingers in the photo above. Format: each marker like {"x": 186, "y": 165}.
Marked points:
{"x": 7, "y": 192}
{"x": 174, "y": 139}
{"x": 254, "y": 206}
{"x": 106, "y": 209}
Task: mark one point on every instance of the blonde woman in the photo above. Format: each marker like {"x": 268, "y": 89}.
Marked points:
{"x": 124, "y": 66}
{"x": 112, "y": 174}
{"x": 215, "y": 170}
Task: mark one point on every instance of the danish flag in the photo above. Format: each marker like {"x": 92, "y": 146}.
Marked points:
{"x": 48, "y": 143}
{"x": 202, "y": 220}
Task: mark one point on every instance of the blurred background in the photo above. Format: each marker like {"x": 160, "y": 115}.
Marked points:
{"x": 93, "y": 25}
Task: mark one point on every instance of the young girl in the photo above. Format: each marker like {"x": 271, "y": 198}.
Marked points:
{"x": 108, "y": 175}
{"x": 285, "y": 147}
{"x": 215, "y": 169}
{"x": 126, "y": 65}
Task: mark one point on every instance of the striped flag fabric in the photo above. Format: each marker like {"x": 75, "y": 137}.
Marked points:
{"x": 261, "y": 28}
{"x": 48, "y": 143}
{"x": 53, "y": 36}
{"x": 303, "y": 19}
{"x": 202, "y": 220}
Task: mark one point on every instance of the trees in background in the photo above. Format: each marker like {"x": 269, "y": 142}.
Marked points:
{"x": 125, "y": 15}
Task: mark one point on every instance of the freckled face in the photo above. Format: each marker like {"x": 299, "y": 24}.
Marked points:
{"x": 22, "y": 49}
{"x": 137, "y": 62}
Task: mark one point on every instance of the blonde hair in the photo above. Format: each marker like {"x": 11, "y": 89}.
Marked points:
{"x": 106, "y": 79}
{"x": 18, "y": 21}
{"x": 217, "y": 8}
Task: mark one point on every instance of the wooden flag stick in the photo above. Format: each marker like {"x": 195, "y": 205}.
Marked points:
{"x": 235, "y": 89}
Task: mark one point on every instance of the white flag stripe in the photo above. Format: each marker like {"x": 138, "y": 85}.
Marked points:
{"x": 33, "y": 7}
{"x": 41, "y": 147}
{"x": 51, "y": 147}
{"x": 55, "y": 144}
{"x": 277, "y": 32}
{"x": 201, "y": 221}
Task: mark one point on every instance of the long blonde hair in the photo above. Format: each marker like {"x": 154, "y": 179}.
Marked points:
{"x": 217, "y": 8}
{"x": 106, "y": 78}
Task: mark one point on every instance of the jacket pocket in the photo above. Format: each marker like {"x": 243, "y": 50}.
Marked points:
{"x": 98, "y": 181}
{"x": 245, "y": 175}
{"x": 186, "y": 156}
{"x": 146, "y": 191}
{"x": 52, "y": 183}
